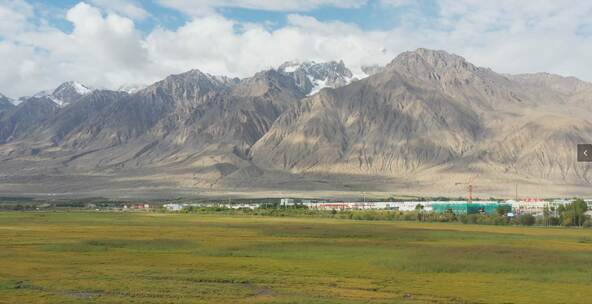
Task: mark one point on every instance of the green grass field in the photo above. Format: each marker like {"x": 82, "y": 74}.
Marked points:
{"x": 188, "y": 258}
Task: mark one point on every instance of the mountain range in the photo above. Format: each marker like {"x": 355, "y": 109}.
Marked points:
{"x": 426, "y": 123}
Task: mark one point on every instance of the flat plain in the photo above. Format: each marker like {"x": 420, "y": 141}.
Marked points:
{"x": 73, "y": 257}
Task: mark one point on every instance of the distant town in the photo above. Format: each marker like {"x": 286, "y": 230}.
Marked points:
{"x": 528, "y": 211}
{"x": 532, "y": 206}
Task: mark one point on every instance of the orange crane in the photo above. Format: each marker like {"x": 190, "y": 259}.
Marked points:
{"x": 469, "y": 183}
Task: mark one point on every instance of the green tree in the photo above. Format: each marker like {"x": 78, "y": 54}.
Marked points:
{"x": 527, "y": 220}
{"x": 502, "y": 210}
{"x": 573, "y": 214}
{"x": 449, "y": 215}
{"x": 419, "y": 209}
{"x": 547, "y": 215}
{"x": 580, "y": 208}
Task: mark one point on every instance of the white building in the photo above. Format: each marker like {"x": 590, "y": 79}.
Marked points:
{"x": 405, "y": 206}
{"x": 251, "y": 206}
{"x": 284, "y": 202}
{"x": 537, "y": 207}
{"x": 173, "y": 207}
{"x": 589, "y": 203}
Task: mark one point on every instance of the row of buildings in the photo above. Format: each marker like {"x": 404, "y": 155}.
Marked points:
{"x": 458, "y": 207}
{"x": 175, "y": 207}
{"x": 535, "y": 207}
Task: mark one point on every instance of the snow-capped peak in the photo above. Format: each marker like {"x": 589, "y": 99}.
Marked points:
{"x": 311, "y": 76}
{"x": 289, "y": 66}
{"x": 5, "y": 100}
{"x": 80, "y": 88}
{"x": 131, "y": 88}
{"x": 40, "y": 94}
{"x": 4, "y": 97}
{"x": 72, "y": 87}
{"x": 66, "y": 93}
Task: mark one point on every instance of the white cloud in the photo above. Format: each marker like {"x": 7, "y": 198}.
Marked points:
{"x": 105, "y": 49}
{"x": 110, "y": 39}
{"x": 128, "y": 8}
{"x": 212, "y": 44}
{"x": 14, "y": 16}
{"x": 204, "y": 7}
{"x": 517, "y": 36}
{"x": 399, "y": 2}
{"x": 102, "y": 50}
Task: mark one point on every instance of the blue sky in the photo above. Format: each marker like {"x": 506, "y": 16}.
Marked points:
{"x": 110, "y": 43}
{"x": 371, "y": 15}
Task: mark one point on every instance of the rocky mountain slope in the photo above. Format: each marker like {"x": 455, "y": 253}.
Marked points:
{"x": 5, "y": 103}
{"x": 430, "y": 112}
{"x": 19, "y": 121}
{"x": 424, "y": 123}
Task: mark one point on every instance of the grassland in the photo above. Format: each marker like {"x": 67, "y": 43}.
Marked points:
{"x": 189, "y": 258}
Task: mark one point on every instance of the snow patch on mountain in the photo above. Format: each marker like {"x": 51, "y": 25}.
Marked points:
{"x": 66, "y": 93}
{"x": 289, "y": 66}
{"x": 80, "y": 88}
{"x": 6, "y": 99}
{"x": 131, "y": 88}
{"x": 311, "y": 76}
{"x": 318, "y": 84}
{"x": 57, "y": 101}
{"x": 39, "y": 94}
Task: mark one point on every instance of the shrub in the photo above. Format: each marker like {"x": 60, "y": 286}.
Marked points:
{"x": 472, "y": 218}
{"x": 527, "y": 220}
{"x": 500, "y": 220}
{"x": 463, "y": 218}
{"x": 554, "y": 221}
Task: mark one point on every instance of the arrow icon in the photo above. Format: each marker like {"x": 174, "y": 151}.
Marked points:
{"x": 584, "y": 152}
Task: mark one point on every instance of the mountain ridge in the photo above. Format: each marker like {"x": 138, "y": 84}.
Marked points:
{"x": 424, "y": 121}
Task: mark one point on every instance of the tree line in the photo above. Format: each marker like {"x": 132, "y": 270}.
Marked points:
{"x": 572, "y": 215}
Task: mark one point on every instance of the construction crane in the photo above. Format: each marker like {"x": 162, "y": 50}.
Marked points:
{"x": 469, "y": 183}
